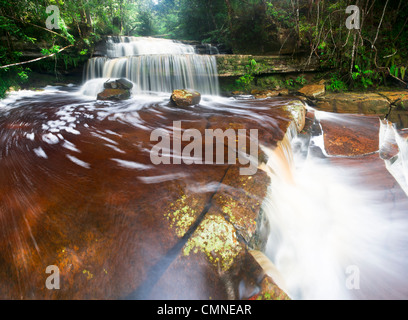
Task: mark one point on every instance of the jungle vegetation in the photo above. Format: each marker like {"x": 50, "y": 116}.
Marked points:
{"x": 365, "y": 58}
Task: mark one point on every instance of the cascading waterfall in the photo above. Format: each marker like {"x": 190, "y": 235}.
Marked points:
{"x": 331, "y": 237}
{"x": 123, "y": 46}
{"x": 155, "y": 65}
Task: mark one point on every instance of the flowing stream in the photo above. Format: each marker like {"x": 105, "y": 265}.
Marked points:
{"x": 76, "y": 182}
{"x": 336, "y": 233}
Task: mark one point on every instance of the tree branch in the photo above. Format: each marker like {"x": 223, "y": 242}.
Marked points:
{"x": 34, "y": 60}
{"x": 379, "y": 26}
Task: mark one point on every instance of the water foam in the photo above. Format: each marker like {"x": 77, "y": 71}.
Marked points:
{"x": 325, "y": 222}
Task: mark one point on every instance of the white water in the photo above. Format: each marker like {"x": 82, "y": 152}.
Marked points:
{"x": 324, "y": 223}
{"x": 154, "y": 65}
{"x": 331, "y": 237}
{"x": 131, "y": 46}
{"x": 397, "y": 165}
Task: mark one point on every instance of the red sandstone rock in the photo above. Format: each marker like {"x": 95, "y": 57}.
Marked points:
{"x": 350, "y": 135}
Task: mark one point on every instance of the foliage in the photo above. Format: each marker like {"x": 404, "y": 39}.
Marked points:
{"x": 336, "y": 84}
{"x": 80, "y": 23}
{"x": 364, "y": 76}
{"x": 362, "y": 58}
{"x": 245, "y": 81}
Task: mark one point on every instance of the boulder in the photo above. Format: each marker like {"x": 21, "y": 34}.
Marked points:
{"x": 116, "y": 90}
{"x": 121, "y": 83}
{"x": 124, "y": 84}
{"x": 114, "y": 94}
{"x": 298, "y": 112}
{"x": 185, "y": 98}
{"x": 110, "y": 85}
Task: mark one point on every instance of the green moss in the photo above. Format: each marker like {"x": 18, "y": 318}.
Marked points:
{"x": 180, "y": 216}
{"x": 217, "y": 239}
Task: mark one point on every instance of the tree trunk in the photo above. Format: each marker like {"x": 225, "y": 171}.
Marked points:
{"x": 230, "y": 17}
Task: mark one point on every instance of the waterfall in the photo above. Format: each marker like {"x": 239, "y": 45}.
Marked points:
{"x": 332, "y": 236}
{"x": 155, "y": 65}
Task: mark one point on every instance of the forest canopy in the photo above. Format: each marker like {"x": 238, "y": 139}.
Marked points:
{"x": 362, "y": 57}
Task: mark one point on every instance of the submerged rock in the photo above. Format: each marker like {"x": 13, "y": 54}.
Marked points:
{"x": 185, "y": 98}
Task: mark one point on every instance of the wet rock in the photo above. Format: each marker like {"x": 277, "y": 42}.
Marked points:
{"x": 121, "y": 83}
{"x": 350, "y": 135}
{"x": 270, "y": 270}
{"x": 239, "y": 201}
{"x": 120, "y": 226}
{"x": 398, "y": 99}
{"x": 298, "y": 112}
{"x": 351, "y": 102}
{"x": 388, "y": 144}
{"x": 403, "y": 133}
{"x": 399, "y": 107}
{"x": 263, "y": 94}
{"x": 114, "y": 94}
{"x": 399, "y": 118}
{"x": 116, "y": 90}
{"x": 110, "y": 85}
{"x": 124, "y": 84}
{"x": 270, "y": 291}
{"x": 313, "y": 91}
{"x": 185, "y": 98}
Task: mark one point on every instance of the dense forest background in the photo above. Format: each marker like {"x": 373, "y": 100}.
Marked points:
{"x": 364, "y": 57}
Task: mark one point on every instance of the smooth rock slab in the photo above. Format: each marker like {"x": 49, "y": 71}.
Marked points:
{"x": 350, "y": 135}
{"x": 109, "y": 219}
{"x": 356, "y": 103}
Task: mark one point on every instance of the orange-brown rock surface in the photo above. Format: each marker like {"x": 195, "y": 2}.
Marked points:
{"x": 90, "y": 202}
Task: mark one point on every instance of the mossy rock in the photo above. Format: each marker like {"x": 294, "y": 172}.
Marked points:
{"x": 185, "y": 98}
